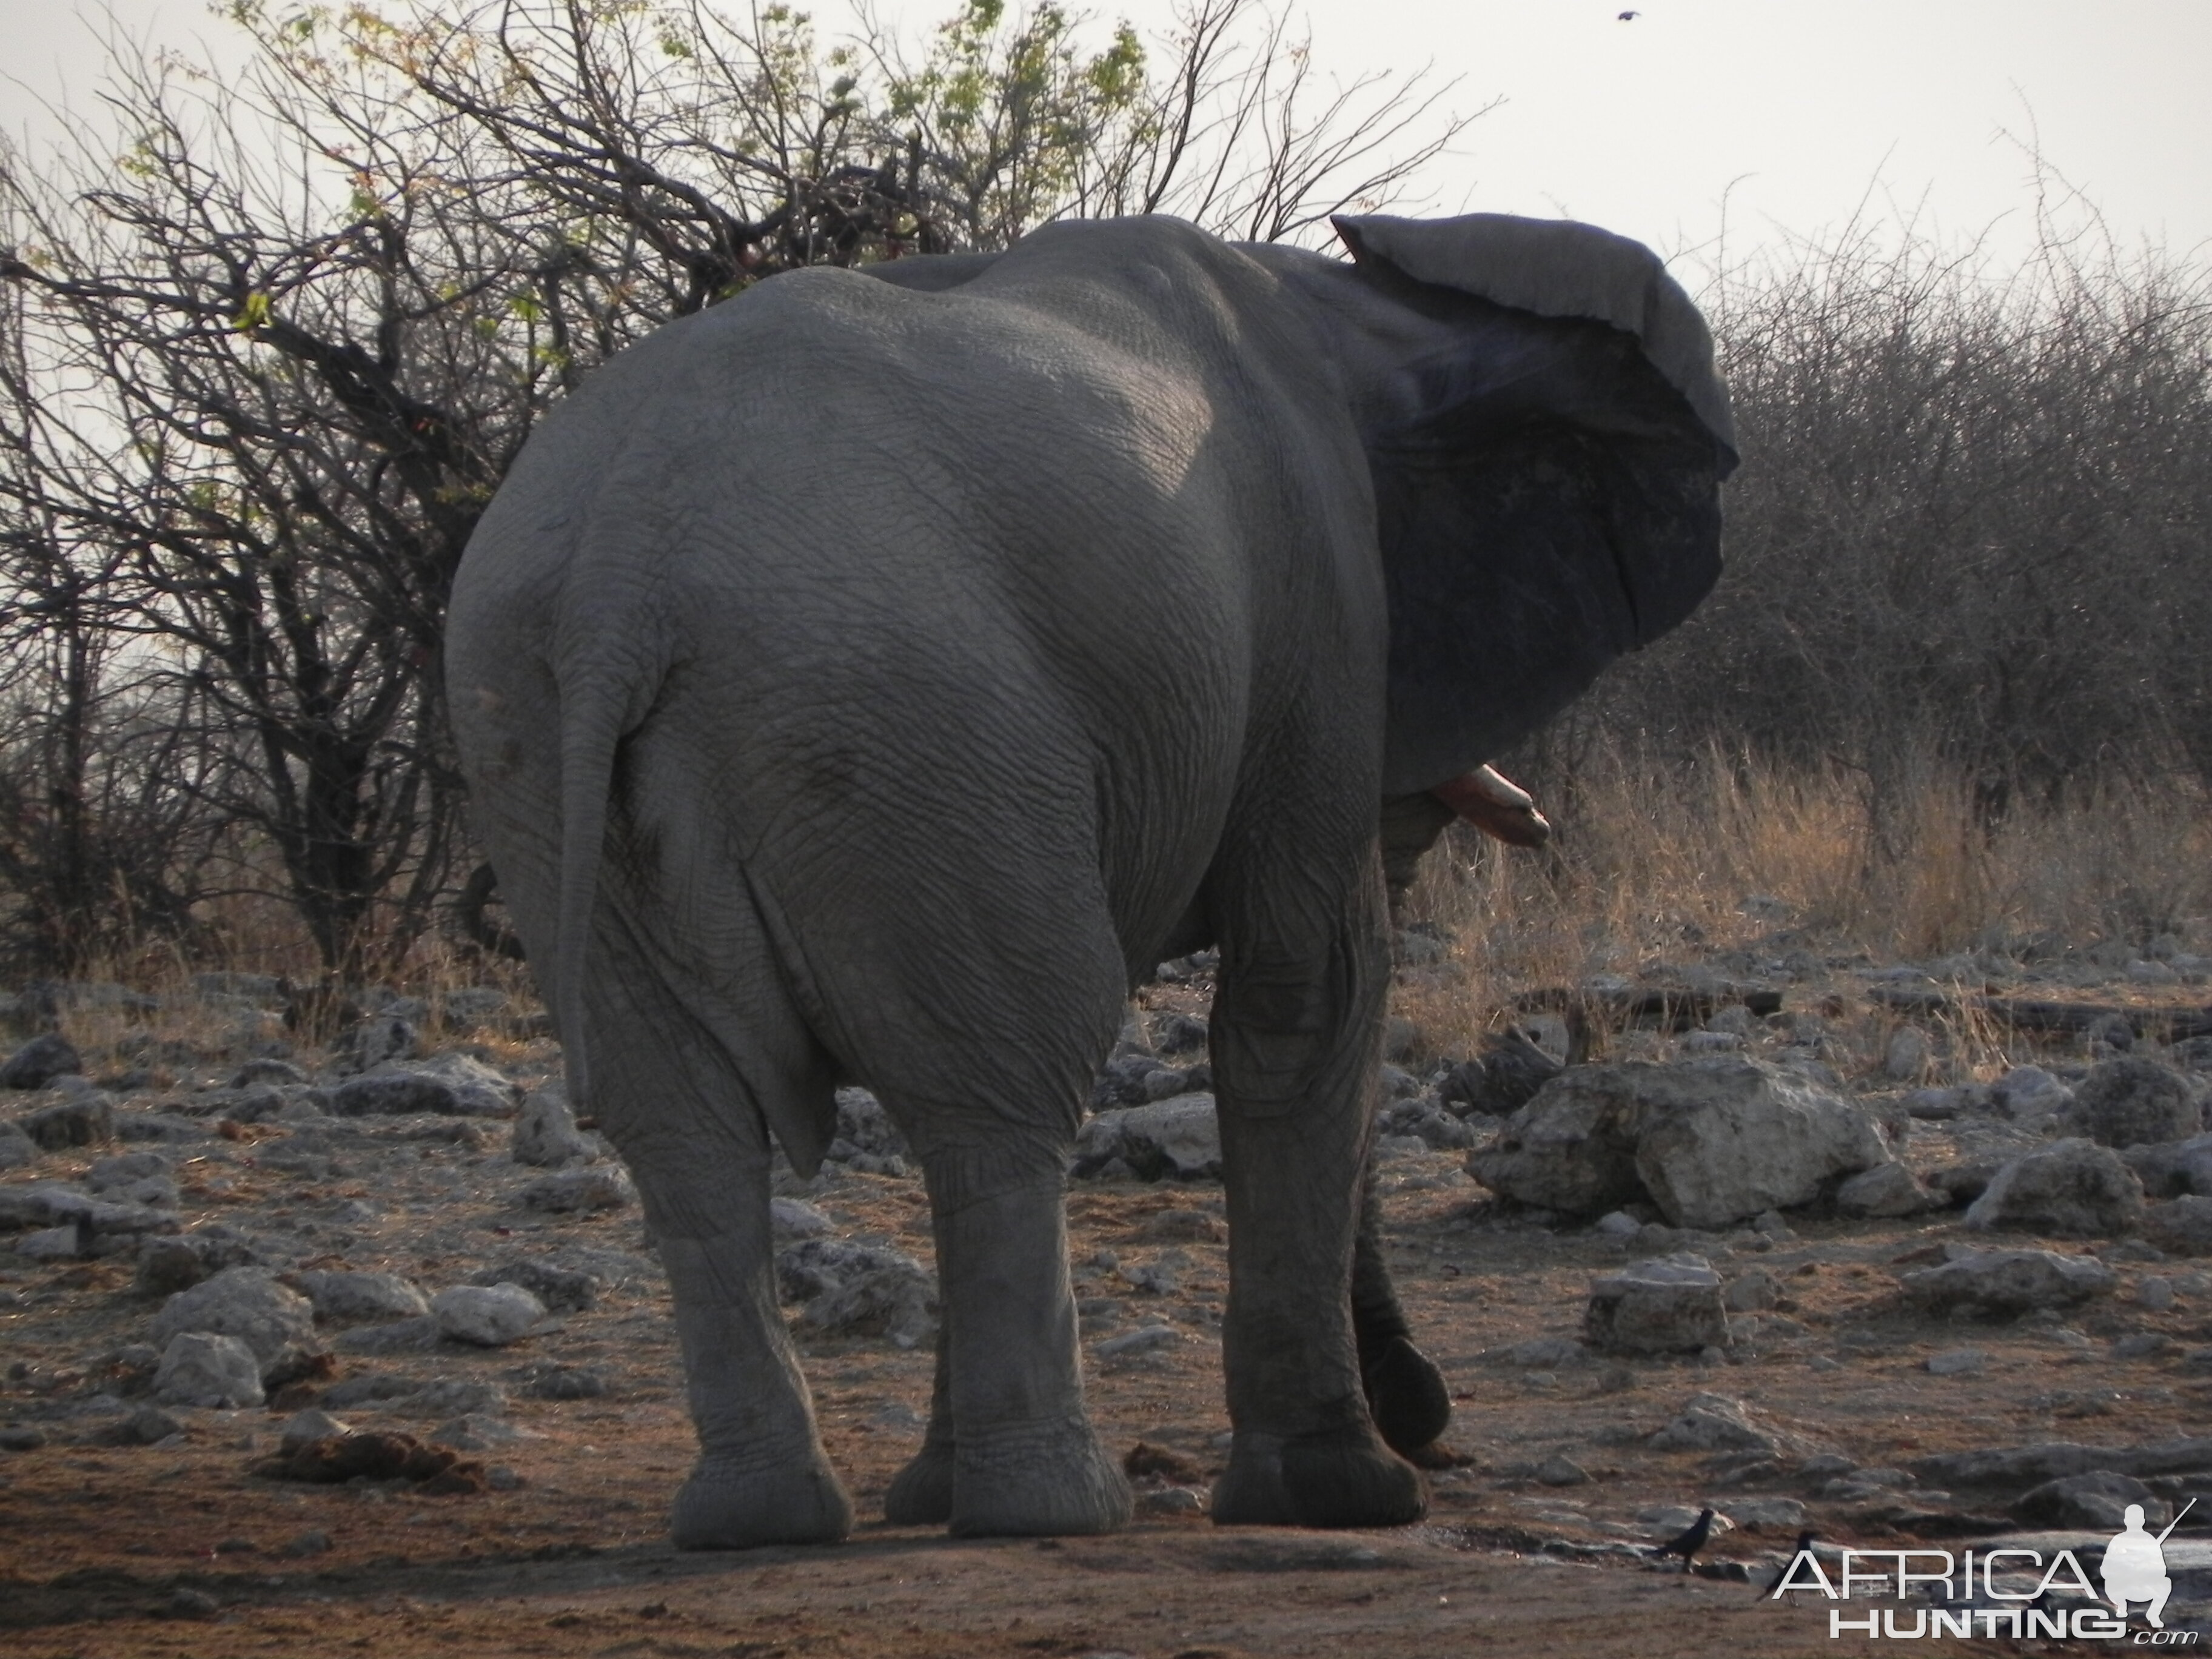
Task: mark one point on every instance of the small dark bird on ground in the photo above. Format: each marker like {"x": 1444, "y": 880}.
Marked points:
{"x": 1804, "y": 1542}
{"x": 1692, "y": 1541}
{"x": 1630, "y": 16}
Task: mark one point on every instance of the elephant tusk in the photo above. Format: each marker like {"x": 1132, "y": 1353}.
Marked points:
{"x": 1496, "y": 806}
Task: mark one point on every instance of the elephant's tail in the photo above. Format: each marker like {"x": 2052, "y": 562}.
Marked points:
{"x": 601, "y": 704}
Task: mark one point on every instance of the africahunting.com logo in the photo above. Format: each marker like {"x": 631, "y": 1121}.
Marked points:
{"x": 1987, "y": 1594}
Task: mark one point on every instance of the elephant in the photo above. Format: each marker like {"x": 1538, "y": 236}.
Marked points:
{"x": 872, "y": 677}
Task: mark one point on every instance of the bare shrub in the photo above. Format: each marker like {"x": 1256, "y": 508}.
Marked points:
{"x": 270, "y": 345}
{"x": 1972, "y": 529}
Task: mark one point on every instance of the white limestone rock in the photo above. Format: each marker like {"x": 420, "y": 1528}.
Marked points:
{"x": 272, "y": 1319}
{"x": 1740, "y": 1138}
{"x": 361, "y": 1298}
{"x": 2071, "y": 1188}
{"x": 1710, "y": 1141}
{"x": 201, "y": 1368}
{"x": 1179, "y": 1136}
{"x": 1668, "y": 1305}
{"x": 2008, "y": 1282}
{"x": 593, "y": 1187}
{"x": 546, "y": 1134}
{"x": 487, "y": 1316}
{"x": 1886, "y": 1190}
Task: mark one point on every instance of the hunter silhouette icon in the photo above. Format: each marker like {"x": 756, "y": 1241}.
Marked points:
{"x": 2134, "y": 1566}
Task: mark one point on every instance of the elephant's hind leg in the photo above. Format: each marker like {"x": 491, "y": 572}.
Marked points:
{"x": 761, "y": 1477}
{"x": 1025, "y": 1459}
{"x": 682, "y": 1116}
{"x": 1009, "y": 1450}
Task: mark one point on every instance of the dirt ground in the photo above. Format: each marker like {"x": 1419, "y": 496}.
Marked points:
{"x": 178, "y": 1548}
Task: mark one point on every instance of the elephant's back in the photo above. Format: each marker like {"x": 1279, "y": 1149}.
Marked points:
{"x": 843, "y": 477}
{"x": 1012, "y": 551}
{"x": 1020, "y": 540}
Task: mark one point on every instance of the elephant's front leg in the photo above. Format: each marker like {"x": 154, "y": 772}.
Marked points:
{"x": 1011, "y": 1449}
{"x": 1297, "y": 1034}
{"x": 1406, "y": 1395}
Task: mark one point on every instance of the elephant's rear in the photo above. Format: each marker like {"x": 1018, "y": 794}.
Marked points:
{"x": 889, "y": 696}
{"x": 571, "y": 666}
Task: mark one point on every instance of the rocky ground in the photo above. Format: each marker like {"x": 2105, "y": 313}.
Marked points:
{"x": 314, "y": 1350}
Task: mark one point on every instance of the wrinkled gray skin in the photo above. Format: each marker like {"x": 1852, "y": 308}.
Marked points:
{"x": 871, "y": 677}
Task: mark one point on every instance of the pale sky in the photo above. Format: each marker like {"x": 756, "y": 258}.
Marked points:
{"x": 1796, "y": 113}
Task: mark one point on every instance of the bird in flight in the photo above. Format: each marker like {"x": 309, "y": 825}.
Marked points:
{"x": 1629, "y": 17}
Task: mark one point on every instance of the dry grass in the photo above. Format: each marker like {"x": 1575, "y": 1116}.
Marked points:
{"x": 1656, "y": 862}
{"x": 1719, "y": 860}
{"x": 194, "y": 1025}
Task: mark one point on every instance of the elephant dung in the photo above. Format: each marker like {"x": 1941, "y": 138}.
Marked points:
{"x": 1710, "y": 1141}
{"x": 2071, "y": 1188}
{"x": 2008, "y": 1282}
{"x": 1669, "y": 1304}
{"x": 1179, "y": 1137}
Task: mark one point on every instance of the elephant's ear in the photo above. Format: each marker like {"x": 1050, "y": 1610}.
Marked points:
{"x": 1546, "y": 465}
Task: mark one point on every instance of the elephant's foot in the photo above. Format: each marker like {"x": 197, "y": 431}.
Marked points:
{"x": 1342, "y": 1476}
{"x": 1406, "y": 1396}
{"x": 1035, "y": 1479}
{"x": 725, "y": 1506}
{"x": 922, "y": 1493}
